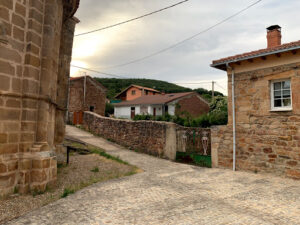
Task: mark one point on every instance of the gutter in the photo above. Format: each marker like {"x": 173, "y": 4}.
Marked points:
{"x": 254, "y": 56}
{"x": 233, "y": 118}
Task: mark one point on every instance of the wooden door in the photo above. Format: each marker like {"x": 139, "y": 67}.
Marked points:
{"x": 154, "y": 111}
{"x": 132, "y": 112}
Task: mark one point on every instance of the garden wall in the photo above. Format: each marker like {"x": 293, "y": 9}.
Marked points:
{"x": 162, "y": 139}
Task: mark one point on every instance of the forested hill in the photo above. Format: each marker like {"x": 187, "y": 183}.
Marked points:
{"x": 115, "y": 86}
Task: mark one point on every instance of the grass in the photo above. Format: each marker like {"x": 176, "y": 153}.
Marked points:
{"x": 67, "y": 192}
{"x": 95, "y": 170}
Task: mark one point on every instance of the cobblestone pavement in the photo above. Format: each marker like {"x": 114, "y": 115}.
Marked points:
{"x": 172, "y": 193}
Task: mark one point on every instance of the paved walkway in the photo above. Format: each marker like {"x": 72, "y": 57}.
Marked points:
{"x": 172, "y": 193}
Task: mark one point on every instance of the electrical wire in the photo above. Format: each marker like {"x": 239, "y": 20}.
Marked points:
{"x": 100, "y": 72}
{"x": 127, "y": 21}
{"x": 185, "y": 40}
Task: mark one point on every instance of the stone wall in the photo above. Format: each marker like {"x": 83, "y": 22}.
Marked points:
{"x": 32, "y": 45}
{"x": 160, "y": 139}
{"x": 267, "y": 141}
{"x": 95, "y": 95}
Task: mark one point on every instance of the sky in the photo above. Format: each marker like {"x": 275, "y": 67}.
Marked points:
{"x": 189, "y": 62}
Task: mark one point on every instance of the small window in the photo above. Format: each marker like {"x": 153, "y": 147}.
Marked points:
{"x": 281, "y": 95}
{"x": 147, "y": 92}
{"x": 92, "y": 108}
{"x": 133, "y": 92}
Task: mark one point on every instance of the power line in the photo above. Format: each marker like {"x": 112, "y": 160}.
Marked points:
{"x": 195, "y": 83}
{"x": 185, "y": 40}
{"x": 100, "y": 72}
{"x": 220, "y": 86}
{"x": 136, "y": 18}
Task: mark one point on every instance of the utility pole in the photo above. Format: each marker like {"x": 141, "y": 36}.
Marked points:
{"x": 213, "y": 89}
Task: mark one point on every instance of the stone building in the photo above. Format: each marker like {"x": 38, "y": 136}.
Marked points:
{"x": 86, "y": 94}
{"x": 36, "y": 39}
{"x": 263, "y": 131}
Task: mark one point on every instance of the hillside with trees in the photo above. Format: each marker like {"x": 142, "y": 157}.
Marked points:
{"x": 115, "y": 86}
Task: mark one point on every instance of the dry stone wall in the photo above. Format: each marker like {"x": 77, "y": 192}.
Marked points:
{"x": 160, "y": 139}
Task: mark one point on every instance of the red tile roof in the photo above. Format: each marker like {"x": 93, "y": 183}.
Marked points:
{"x": 139, "y": 87}
{"x": 155, "y": 99}
{"x": 262, "y": 52}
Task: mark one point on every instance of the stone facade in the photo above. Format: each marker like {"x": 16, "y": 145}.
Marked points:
{"x": 267, "y": 141}
{"x": 36, "y": 39}
{"x": 87, "y": 94}
{"x": 162, "y": 139}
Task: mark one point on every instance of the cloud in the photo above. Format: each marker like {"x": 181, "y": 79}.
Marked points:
{"x": 190, "y": 61}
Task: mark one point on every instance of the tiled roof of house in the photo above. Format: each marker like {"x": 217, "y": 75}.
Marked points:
{"x": 155, "y": 99}
{"x": 95, "y": 82}
{"x": 139, "y": 87}
{"x": 262, "y": 52}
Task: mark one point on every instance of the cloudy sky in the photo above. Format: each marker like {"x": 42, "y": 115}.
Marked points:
{"x": 187, "y": 63}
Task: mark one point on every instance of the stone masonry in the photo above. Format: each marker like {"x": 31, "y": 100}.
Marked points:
{"x": 85, "y": 92}
{"x": 162, "y": 139}
{"x": 36, "y": 38}
{"x": 267, "y": 141}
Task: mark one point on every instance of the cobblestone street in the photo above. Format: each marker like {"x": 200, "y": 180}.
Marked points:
{"x": 172, "y": 193}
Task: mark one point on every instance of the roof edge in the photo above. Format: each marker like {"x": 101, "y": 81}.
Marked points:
{"x": 220, "y": 64}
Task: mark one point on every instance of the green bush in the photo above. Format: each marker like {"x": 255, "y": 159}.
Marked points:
{"x": 109, "y": 109}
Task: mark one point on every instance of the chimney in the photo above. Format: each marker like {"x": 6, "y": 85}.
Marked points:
{"x": 274, "y": 36}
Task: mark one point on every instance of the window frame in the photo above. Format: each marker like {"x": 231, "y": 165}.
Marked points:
{"x": 133, "y": 92}
{"x": 281, "y": 108}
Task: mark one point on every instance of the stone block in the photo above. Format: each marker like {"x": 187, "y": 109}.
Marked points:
{"x": 38, "y": 176}
{"x": 3, "y": 138}
{"x": 20, "y": 9}
{"x": 13, "y": 138}
{"x": 13, "y": 103}
{"x": 4, "y": 83}
{"x": 9, "y": 114}
{"x": 7, "y": 68}
{"x": 25, "y": 164}
{"x": 37, "y": 5}
{"x": 32, "y": 60}
{"x": 4, "y": 13}
{"x": 16, "y": 85}
{"x": 3, "y": 168}
{"x": 8, "y": 54}
{"x": 18, "y": 33}
{"x": 12, "y": 166}
{"x": 33, "y": 49}
{"x": 18, "y": 20}
{"x": 7, "y": 3}
{"x": 34, "y": 14}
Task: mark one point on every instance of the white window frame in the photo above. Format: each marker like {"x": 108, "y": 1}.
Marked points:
{"x": 281, "y": 108}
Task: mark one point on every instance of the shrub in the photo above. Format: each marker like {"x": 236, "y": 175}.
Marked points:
{"x": 109, "y": 109}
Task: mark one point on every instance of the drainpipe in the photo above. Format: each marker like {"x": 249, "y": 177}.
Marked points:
{"x": 84, "y": 88}
{"x": 233, "y": 117}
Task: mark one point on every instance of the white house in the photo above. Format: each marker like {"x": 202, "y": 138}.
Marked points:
{"x": 158, "y": 105}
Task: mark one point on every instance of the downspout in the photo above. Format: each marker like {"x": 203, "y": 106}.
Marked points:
{"x": 84, "y": 88}
{"x": 233, "y": 117}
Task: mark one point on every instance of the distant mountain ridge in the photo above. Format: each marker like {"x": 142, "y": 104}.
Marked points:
{"x": 115, "y": 86}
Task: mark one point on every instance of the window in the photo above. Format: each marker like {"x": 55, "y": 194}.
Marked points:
{"x": 133, "y": 92}
{"x": 147, "y": 92}
{"x": 281, "y": 95}
{"x": 92, "y": 108}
